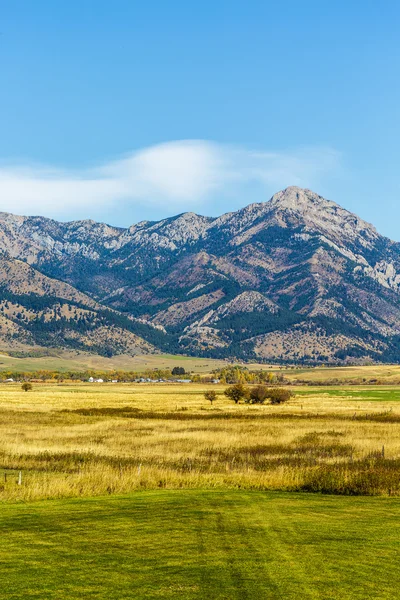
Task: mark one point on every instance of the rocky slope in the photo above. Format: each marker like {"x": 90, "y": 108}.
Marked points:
{"x": 36, "y": 310}
{"x": 295, "y": 278}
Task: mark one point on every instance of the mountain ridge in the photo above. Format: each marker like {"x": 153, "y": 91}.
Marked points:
{"x": 207, "y": 285}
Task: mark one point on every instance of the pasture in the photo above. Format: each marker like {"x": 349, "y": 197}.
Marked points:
{"x": 143, "y": 491}
{"x": 65, "y": 361}
{"x": 381, "y": 374}
{"x": 82, "y": 440}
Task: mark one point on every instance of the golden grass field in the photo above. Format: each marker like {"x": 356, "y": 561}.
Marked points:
{"x": 95, "y": 439}
{"x": 389, "y": 374}
{"x": 80, "y": 361}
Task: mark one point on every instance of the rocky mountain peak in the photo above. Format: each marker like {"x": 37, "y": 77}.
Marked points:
{"x": 296, "y": 206}
{"x": 301, "y": 199}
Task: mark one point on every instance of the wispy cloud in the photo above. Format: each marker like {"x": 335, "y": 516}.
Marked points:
{"x": 179, "y": 175}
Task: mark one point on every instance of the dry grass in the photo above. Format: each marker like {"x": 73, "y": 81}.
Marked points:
{"x": 81, "y": 440}
{"x": 389, "y": 374}
{"x": 81, "y": 361}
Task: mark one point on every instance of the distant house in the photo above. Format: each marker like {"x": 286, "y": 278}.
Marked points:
{"x": 90, "y": 379}
{"x": 114, "y": 380}
{"x": 99, "y": 381}
{"x": 10, "y": 380}
{"x": 184, "y": 380}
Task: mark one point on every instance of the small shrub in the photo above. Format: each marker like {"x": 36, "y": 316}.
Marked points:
{"x": 26, "y": 387}
{"x": 259, "y": 394}
{"x": 210, "y": 395}
{"x": 279, "y": 395}
{"x": 237, "y": 392}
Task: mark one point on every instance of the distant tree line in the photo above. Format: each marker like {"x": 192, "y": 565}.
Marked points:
{"x": 231, "y": 374}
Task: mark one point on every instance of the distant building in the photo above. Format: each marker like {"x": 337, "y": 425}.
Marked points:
{"x": 90, "y": 379}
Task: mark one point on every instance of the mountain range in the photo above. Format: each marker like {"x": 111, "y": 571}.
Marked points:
{"x": 294, "y": 279}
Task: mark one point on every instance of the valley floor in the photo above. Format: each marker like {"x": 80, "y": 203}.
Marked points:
{"x": 193, "y": 544}
{"x": 84, "y": 440}
{"x": 147, "y": 491}
{"x": 64, "y": 361}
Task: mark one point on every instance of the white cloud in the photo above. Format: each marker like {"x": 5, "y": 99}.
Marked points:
{"x": 180, "y": 175}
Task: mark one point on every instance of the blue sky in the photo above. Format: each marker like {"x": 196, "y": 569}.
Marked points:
{"x": 125, "y": 110}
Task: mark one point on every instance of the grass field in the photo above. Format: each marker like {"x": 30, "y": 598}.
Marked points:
{"x": 81, "y": 440}
{"x": 147, "y": 491}
{"x": 201, "y": 544}
{"x": 386, "y": 394}
{"x": 389, "y": 374}
{"x": 73, "y": 361}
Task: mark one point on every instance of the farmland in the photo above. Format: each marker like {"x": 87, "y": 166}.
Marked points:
{"x": 63, "y": 361}
{"x": 73, "y": 440}
{"x": 381, "y": 374}
{"x": 149, "y": 491}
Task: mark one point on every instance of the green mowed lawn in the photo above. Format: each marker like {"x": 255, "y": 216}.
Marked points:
{"x": 201, "y": 544}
